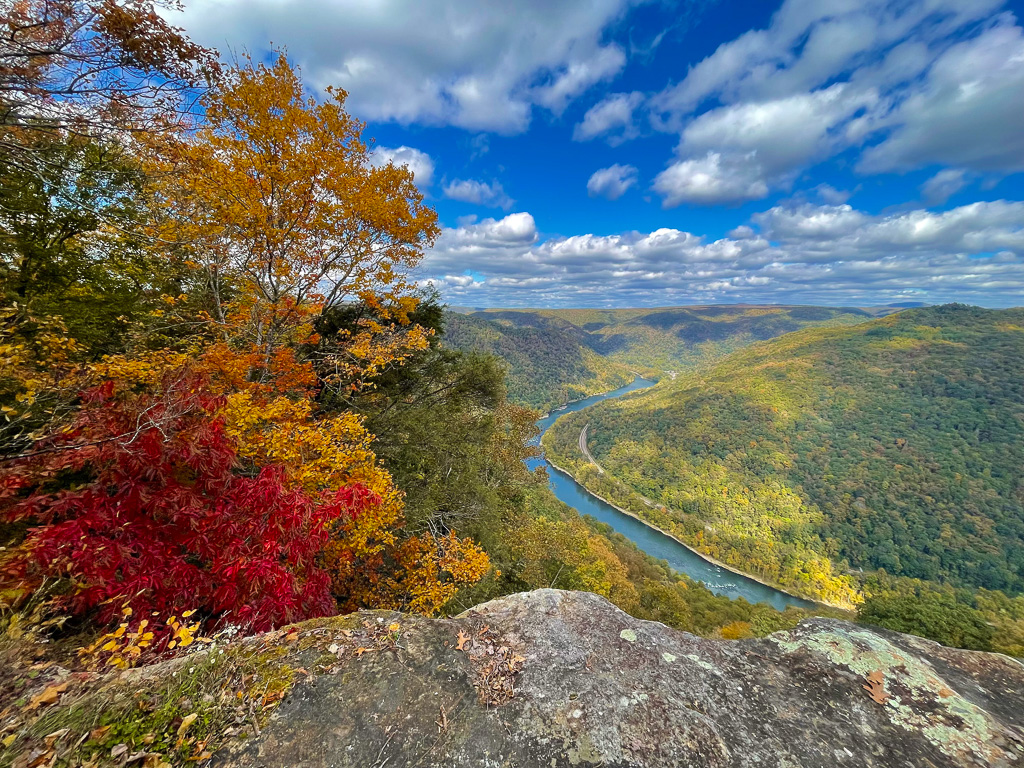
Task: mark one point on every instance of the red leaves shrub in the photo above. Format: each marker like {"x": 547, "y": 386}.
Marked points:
{"x": 139, "y": 502}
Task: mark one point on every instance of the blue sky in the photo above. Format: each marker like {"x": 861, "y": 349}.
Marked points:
{"x": 621, "y": 153}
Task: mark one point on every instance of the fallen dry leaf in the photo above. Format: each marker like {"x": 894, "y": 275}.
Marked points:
{"x": 53, "y": 738}
{"x": 49, "y": 696}
{"x": 876, "y": 689}
{"x": 185, "y": 723}
{"x": 463, "y": 639}
{"x": 98, "y": 734}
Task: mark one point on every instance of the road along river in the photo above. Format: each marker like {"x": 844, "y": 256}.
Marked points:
{"x": 719, "y": 580}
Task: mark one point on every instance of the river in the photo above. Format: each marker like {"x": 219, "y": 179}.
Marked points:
{"x": 719, "y": 580}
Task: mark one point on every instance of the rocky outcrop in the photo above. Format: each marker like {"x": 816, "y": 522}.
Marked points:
{"x": 552, "y": 678}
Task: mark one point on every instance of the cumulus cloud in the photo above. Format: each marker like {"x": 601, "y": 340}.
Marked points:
{"x": 420, "y": 163}
{"x": 476, "y": 64}
{"x": 737, "y": 152}
{"x": 831, "y": 254}
{"x": 611, "y": 183}
{"x": 612, "y": 117}
{"x": 922, "y": 82}
{"x": 578, "y": 76}
{"x": 966, "y": 113}
{"x": 477, "y": 192}
{"x": 712, "y": 179}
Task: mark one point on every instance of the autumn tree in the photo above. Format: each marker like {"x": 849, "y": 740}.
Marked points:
{"x": 92, "y": 69}
{"x": 277, "y": 205}
{"x": 276, "y": 196}
{"x": 147, "y": 511}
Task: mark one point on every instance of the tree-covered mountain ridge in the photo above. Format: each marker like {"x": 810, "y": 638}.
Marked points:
{"x": 553, "y": 356}
{"x": 831, "y": 457}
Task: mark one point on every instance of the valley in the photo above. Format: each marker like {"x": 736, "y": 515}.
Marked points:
{"x": 877, "y": 461}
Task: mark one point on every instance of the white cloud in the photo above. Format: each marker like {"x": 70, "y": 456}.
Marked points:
{"x": 611, "y": 183}
{"x": 967, "y": 113}
{"x": 943, "y": 185}
{"x": 611, "y": 117}
{"x": 926, "y": 81}
{"x": 578, "y": 76}
{"x": 811, "y": 42}
{"x": 831, "y": 254}
{"x": 739, "y": 152}
{"x": 477, "y": 192}
{"x": 477, "y": 64}
{"x": 712, "y": 180}
{"x": 420, "y": 163}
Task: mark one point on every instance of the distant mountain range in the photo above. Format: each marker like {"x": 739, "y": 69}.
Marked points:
{"x": 557, "y": 355}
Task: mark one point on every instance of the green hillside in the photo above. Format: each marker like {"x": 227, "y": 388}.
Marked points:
{"x": 548, "y": 361}
{"x": 556, "y": 355}
{"x": 895, "y": 444}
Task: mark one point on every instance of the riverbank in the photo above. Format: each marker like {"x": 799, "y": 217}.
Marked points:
{"x": 707, "y": 558}
{"x": 549, "y": 414}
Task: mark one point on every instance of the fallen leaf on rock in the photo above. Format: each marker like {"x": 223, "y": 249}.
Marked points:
{"x": 463, "y": 639}
{"x": 876, "y": 688}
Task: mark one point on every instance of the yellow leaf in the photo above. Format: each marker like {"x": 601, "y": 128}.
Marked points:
{"x": 185, "y": 723}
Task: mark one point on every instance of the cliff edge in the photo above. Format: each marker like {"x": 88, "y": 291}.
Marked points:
{"x": 552, "y": 678}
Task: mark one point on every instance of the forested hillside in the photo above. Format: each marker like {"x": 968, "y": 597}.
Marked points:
{"x": 556, "y": 355}
{"x": 892, "y": 446}
{"x": 547, "y": 360}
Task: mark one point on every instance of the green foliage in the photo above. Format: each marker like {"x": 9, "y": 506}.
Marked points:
{"x": 892, "y": 444}
{"x": 66, "y": 243}
{"x": 979, "y": 619}
{"x": 935, "y": 617}
{"x": 546, "y": 361}
{"x": 444, "y": 430}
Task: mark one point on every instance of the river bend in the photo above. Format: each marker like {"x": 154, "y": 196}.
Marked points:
{"x": 719, "y": 580}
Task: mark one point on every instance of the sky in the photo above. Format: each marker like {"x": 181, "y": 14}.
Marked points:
{"x": 621, "y": 153}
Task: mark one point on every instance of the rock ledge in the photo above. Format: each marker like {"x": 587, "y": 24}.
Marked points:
{"x": 552, "y": 678}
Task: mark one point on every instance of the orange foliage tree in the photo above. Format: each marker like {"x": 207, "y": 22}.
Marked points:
{"x": 277, "y": 206}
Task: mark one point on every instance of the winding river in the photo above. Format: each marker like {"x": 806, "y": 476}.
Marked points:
{"x": 719, "y": 580}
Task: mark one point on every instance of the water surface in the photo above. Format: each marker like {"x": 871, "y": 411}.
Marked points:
{"x": 719, "y": 580}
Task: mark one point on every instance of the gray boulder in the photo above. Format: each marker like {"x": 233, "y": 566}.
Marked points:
{"x": 553, "y": 678}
